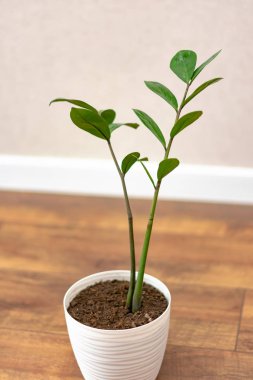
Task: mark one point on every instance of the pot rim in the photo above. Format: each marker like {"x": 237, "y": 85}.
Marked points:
{"x": 115, "y": 331}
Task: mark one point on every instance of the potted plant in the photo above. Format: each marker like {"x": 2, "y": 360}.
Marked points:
{"x": 118, "y": 321}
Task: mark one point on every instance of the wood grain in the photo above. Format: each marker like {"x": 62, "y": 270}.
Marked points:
{"x": 204, "y": 252}
{"x": 186, "y": 363}
{"x": 245, "y": 337}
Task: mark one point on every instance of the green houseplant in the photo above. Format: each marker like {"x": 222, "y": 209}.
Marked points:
{"x": 102, "y": 125}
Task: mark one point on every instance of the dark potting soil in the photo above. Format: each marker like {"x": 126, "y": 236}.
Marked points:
{"x": 103, "y": 306}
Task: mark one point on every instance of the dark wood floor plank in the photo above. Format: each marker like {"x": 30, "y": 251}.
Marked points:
{"x": 190, "y": 218}
{"x": 205, "y": 317}
{"x": 178, "y": 259}
{"x": 199, "y": 364}
{"x": 36, "y": 355}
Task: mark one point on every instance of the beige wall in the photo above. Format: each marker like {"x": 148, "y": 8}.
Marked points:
{"x": 101, "y": 51}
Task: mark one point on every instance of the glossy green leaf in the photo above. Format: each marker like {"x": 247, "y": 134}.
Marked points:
{"x": 128, "y": 161}
{"x": 201, "y": 67}
{"x": 184, "y": 121}
{"x": 166, "y": 166}
{"x": 79, "y": 103}
{"x": 164, "y": 92}
{"x": 183, "y": 64}
{"x": 90, "y": 122}
{"x": 108, "y": 115}
{"x": 117, "y": 125}
{"x": 200, "y": 89}
{"x": 151, "y": 125}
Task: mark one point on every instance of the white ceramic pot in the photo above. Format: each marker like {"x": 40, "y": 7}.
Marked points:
{"x": 130, "y": 354}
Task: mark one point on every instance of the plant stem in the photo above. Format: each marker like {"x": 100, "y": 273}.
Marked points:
{"x": 130, "y": 229}
{"x": 139, "y": 283}
{"x": 148, "y": 174}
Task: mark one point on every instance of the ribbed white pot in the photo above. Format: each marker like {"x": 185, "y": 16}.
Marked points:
{"x": 131, "y": 354}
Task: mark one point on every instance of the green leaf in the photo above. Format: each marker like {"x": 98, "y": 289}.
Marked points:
{"x": 200, "y": 89}
{"x": 79, "y": 103}
{"x": 201, "y": 67}
{"x": 128, "y": 161}
{"x": 143, "y": 159}
{"x": 90, "y": 122}
{"x": 184, "y": 121}
{"x": 108, "y": 115}
{"x": 117, "y": 125}
{"x": 166, "y": 166}
{"x": 183, "y": 64}
{"x": 151, "y": 125}
{"x": 164, "y": 92}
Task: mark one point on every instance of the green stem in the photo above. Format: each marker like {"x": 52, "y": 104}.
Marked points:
{"x": 130, "y": 229}
{"x": 139, "y": 283}
{"x": 148, "y": 174}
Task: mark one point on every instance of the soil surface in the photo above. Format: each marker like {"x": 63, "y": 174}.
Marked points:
{"x": 103, "y": 306}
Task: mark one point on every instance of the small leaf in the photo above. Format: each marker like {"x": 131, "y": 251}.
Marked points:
{"x": 143, "y": 159}
{"x": 151, "y": 125}
{"x": 128, "y": 161}
{"x": 183, "y": 64}
{"x": 164, "y": 92}
{"x": 184, "y": 121}
{"x": 166, "y": 166}
{"x": 79, "y": 103}
{"x": 90, "y": 122}
{"x": 117, "y": 125}
{"x": 201, "y": 67}
{"x": 132, "y": 125}
{"x": 108, "y": 115}
{"x": 200, "y": 89}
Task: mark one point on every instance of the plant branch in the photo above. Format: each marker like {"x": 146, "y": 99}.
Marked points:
{"x": 182, "y": 102}
{"x": 139, "y": 283}
{"x": 130, "y": 229}
{"x": 148, "y": 174}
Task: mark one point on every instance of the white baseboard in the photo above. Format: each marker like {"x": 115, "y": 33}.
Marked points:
{"x": 99, "y": 177}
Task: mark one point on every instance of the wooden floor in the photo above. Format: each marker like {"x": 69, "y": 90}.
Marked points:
{"x": 204, "y": 253}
